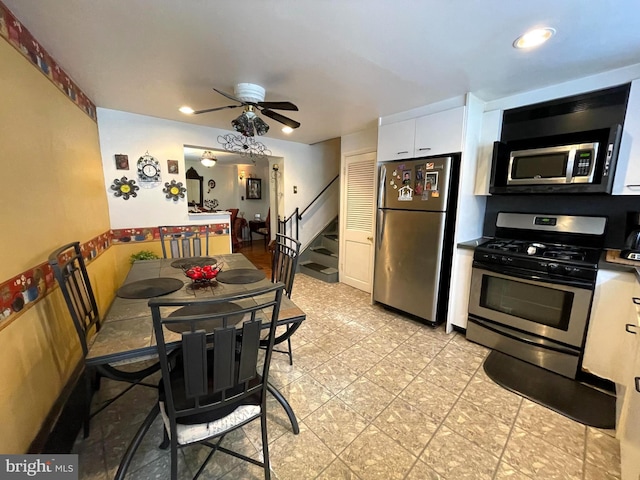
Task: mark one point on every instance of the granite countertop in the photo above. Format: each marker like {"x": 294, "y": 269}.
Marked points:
{"x": 472, "y": 244}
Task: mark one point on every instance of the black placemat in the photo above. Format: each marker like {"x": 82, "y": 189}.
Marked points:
{"x": 151, "y": 287}
{"x": 208, "y": 325}
{"x": 240, "y": 276}
{"x": 193, "y": 261}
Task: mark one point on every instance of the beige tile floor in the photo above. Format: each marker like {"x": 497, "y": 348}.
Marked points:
{"x": 378, "y": 396}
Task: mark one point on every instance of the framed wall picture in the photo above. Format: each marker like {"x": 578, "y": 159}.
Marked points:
{"x": 254, "y": 189}
{"x": 122, "y": 162}
{"x": 172, "y": 166}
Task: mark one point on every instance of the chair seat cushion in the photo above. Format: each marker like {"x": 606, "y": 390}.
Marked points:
{"x": 201, "y": 431}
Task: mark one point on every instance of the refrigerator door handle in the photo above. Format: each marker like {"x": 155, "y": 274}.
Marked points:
{"x": 380, "y": 229}
{"x": 382, "y": 187}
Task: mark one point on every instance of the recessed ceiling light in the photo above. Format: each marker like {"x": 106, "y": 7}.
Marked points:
{"x": 533, "y": 38}
{"x": 186, "y": 110}
{"x": 287, "y": 129}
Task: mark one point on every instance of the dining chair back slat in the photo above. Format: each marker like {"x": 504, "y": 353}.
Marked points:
{"x": 71, "y": 274}
{"x": 285, "y": 261}
{"x": 184, "y": 241}
{"x": 283, "y": 269}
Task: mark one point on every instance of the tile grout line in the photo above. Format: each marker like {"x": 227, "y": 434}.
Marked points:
{"x": 513, "y": 426}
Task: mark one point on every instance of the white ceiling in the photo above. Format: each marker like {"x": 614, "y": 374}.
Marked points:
{"x": 343, "y": 62}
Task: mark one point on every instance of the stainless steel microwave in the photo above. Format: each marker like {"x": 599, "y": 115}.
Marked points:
{"x": 584, "y": 163}
{"x": 562, "y": 164}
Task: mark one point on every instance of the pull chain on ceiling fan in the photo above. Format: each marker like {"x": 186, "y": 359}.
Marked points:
{"x": 251, "y": 97}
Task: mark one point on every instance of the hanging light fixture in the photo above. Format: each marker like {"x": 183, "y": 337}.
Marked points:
{"x": 208, "y": 159}
{"x": 248, "y": 123}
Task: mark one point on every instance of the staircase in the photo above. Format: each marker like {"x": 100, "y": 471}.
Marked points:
{"x": 320, "y": 260}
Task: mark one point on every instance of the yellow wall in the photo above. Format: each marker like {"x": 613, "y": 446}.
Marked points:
{"x": 218, "y": 244}
{"x": 52, "y": 193}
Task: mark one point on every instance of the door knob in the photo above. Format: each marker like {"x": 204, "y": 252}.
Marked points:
{"x": 370, "y": 239}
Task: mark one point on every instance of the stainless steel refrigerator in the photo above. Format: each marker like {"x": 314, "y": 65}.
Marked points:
{"x": 414, "y": 235}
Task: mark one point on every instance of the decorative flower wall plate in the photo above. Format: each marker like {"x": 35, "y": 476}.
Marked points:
{"x": 124, "y": 188}
{"x": 174, "y": 190}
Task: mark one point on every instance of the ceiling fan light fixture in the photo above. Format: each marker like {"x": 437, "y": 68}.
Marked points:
{"x": 208, "y": 159}
{"x": 243, "y": 125}
{"x": 186, "y": 110}
{"x": 261, "y": 126}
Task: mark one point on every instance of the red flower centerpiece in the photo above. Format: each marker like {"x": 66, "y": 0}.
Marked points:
{"x": 202, "y": 274}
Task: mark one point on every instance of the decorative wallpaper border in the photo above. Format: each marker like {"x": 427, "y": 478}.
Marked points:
{"x": 126, "y": 235}
{"x": 20, "y": 293}
{"x": 17, "y": 35}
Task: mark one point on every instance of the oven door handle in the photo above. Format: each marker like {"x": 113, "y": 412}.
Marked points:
{"x": 523, "y": 337}
{"x": 511, "y": 272}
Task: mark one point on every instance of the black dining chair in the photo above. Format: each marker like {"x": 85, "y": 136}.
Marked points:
{"x": 265, "y": 231}
{"x": 184, "y": 241}
{"x": 218, "y": 384}
{"x": 283, "y": 269}
{"x": 70, "y": 272}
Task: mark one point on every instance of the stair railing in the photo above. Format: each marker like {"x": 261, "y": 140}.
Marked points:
{"x": 287, "y": 223}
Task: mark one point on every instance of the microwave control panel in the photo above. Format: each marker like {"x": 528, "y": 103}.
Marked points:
{"x": 582, "y": 162}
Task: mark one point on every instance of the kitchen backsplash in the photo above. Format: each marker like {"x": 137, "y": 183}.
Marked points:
{"x": 21, "y": 292}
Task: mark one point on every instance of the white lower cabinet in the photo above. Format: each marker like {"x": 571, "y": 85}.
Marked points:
{"x": 609, "y": 349}
{"x": 629, "y": 425}
{"x": 460, "y": 287}
{"x": 612, "y": 351}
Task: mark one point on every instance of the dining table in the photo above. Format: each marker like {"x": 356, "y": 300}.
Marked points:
{"x": 126, "y": 334}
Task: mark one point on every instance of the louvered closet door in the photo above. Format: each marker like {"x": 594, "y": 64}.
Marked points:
{"x": 358, "y": 210}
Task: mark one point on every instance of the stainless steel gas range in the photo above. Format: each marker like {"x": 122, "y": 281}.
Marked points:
{"x": 532, "y": 287}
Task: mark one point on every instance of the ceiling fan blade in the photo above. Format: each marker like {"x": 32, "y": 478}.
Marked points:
{"x": 281, "y": 118}
{"x": 278, "y": 105}
{"x": 207, "y": 110}
{"x": 230, "y": 97}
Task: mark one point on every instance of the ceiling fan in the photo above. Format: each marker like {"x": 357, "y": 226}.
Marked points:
{"x": 251, "y": 97}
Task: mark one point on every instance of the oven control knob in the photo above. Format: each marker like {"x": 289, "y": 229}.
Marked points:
{"x": 503, "y": 259}
{"x": 553, "y": 267}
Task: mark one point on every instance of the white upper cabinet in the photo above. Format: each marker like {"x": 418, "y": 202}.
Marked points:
{"x": 489, "y": 133}
{"x": 433, "y": 134}
{"x": 627, "y": 176}
{"x": 439, "y": 133}
{"x": 396, "y": 140}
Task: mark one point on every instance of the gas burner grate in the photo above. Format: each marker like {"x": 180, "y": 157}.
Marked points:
{"x": 506, "y": 246}
{"x": 564, "y": 254}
